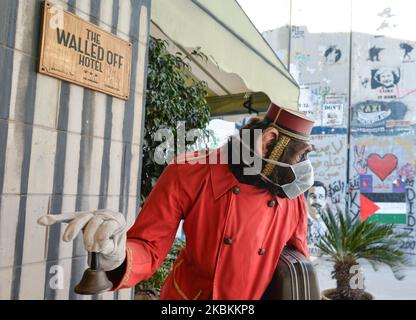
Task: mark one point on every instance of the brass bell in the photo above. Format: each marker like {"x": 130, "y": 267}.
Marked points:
{"x": 94, "y": 279}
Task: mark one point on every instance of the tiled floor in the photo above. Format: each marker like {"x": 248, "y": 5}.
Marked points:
{"x": 382, "y": 284}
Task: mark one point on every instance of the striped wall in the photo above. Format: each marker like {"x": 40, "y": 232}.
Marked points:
{"x": 63, "y": 148}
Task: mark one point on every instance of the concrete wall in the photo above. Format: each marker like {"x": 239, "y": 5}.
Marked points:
{"x": 63, "y": 148}
{"x": 334, "y": 50}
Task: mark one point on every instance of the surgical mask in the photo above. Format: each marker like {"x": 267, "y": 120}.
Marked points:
{"x": 302, "y": 171}
{"x": 304, "y": 177}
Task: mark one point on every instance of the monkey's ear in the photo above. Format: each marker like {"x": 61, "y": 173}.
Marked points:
{"x": 270, "y": 134}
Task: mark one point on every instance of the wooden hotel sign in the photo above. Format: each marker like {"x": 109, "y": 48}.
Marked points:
{"x": 77, "y": 51}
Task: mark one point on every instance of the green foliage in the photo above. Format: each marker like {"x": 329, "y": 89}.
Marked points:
{"x": 347, "y": 240}
{"x": 156, "y": 281}
{"x": 172, "y": 95}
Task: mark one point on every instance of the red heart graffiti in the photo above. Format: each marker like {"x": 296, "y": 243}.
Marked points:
{"x": 382, "y": 167}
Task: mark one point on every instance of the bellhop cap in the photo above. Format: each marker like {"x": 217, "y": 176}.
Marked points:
{"x": 291, "y": 123}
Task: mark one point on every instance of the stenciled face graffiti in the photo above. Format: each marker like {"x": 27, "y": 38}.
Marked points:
{"x": 316, "y": 199}
{"x": 317, "y": 196}
{"x": 385, "y": 77}
{"x": 321, "y": 198}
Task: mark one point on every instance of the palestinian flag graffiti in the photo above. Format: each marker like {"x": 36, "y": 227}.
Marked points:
{"x": 384, "y": 207}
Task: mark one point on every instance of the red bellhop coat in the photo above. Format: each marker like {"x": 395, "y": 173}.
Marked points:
{"x": 234, "y": 232}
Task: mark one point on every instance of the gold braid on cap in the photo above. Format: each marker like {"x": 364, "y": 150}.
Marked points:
{"x": 276, "y": 154}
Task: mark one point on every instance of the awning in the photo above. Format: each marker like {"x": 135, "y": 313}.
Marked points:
{"x": 240, "y": 60}
{"x": 241, "y": 103}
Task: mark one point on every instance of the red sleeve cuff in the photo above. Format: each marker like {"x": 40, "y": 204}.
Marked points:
{"x": 124, "y": 282}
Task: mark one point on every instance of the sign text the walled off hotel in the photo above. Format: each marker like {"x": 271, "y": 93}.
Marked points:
{"x": 77, "y": 51}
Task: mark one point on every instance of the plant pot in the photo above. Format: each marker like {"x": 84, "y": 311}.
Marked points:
{"x": 326, "y": 295}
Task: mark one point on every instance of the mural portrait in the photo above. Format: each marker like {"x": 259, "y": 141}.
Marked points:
{"x": 385, "y": 77}
{"x": 317, "y": 204}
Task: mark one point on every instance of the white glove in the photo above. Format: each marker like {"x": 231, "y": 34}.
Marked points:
{"x": 104, "y": 232}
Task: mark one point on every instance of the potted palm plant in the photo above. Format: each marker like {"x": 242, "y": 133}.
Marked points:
{"x": 345, "y": 241}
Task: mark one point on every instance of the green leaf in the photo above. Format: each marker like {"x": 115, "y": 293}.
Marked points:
{"x": 345, "y": 241}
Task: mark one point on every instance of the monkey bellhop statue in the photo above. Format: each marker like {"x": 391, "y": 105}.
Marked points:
{"x": 235, "y": 229}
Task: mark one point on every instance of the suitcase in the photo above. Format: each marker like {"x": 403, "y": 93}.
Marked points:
{"x": 294, "y": 279}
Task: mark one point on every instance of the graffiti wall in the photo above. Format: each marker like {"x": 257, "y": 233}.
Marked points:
{"x": 383, "y": 69}
{"x": 329, "y": 161}
{"x": 383, "y": 115}
{"x": 385, "y": 167}
{"x": 320, "y": 62}
{"x": 330, "y": 184}
{"x": 356, "y": 67}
